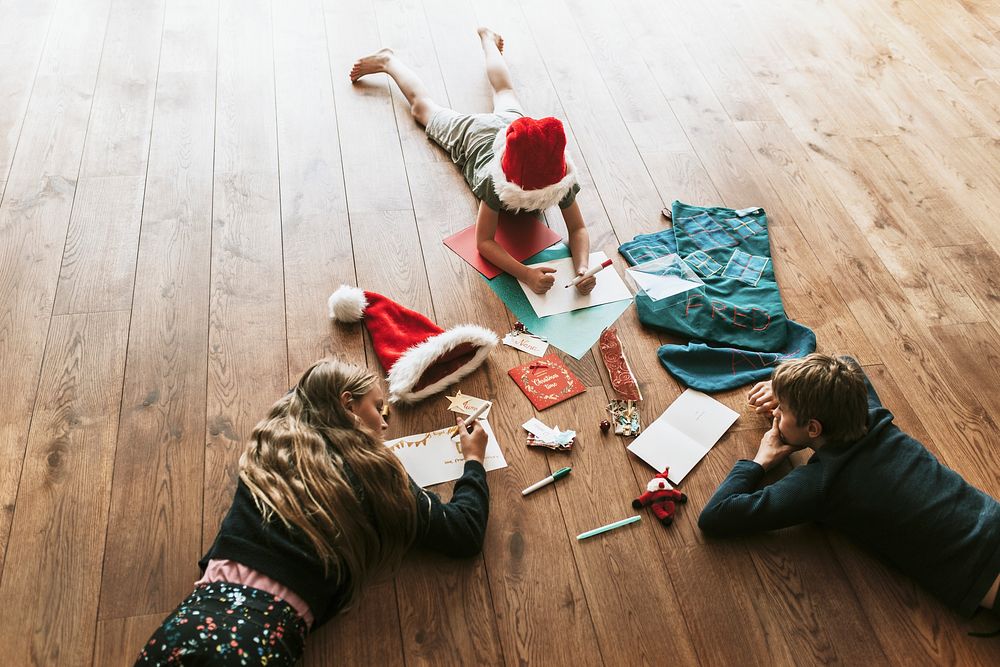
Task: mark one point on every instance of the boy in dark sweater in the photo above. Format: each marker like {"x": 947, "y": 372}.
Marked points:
{"x": 866, "y": 478}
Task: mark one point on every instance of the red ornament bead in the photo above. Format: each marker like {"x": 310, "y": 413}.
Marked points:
{"x": 519, "y": 326}
{"x": 605, "y": 426}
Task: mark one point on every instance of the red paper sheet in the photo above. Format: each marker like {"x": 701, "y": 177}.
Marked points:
{"x": 520, "y": 235}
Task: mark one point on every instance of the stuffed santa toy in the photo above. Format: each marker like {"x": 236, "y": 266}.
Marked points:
{"x": 661, "y": 496}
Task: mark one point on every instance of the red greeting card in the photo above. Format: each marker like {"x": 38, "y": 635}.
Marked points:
{"x": 546, "y": 381}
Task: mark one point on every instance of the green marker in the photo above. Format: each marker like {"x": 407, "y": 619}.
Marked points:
{"x": 558, "y": 474}
{"x": 610, "y": 526}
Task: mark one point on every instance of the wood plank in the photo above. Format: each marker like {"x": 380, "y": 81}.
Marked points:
{"x": 974, "y": 350}
{"x": 985, "y": 12}
{"x": 98, "y": 269}
{"x": 978, "y": 263}
{"x": 159, "y": 465}
{"x": 247, "y": 348}
{"x": 22, "y": 41}
{"x": 98, "y": 264}
{"x": 318, "y": 255}
{"x": 34, "y": 217}
{"x": 373, "y": 171}
{"x": 317, "y": 247}
{"x": 119, "y": 640}
{"x": 53, "y": 565}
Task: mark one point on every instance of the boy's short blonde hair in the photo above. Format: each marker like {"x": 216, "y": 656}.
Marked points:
{"x": 829, "y": 389}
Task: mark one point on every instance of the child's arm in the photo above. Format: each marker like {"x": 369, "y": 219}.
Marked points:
{"x": 737, "y": 508}
{"x": 456, "y": 528}
{"x": 579, "y": 246}
{"x": 539, "y": 279}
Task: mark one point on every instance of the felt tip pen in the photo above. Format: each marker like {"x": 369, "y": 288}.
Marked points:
{"x": 610, "y": 526}
{"x": 605, "y": 264}
{"x": 467, "y": 422}
{"x": 558, "y": 474}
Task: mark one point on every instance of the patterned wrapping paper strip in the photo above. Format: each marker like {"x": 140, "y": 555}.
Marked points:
{"x": 622, "y": 378}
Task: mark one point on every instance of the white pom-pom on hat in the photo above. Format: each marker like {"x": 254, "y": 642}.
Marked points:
{"x": 347, "y": 304}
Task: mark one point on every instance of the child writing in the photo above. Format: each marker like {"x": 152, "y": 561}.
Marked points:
{"x": 866, "y": 478}
{"x": 511, "y": 162}
{"x": 321, "y": 508}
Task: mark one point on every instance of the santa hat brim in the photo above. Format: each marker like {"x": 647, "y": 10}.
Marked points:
{"x": 415, "y": 362}
{"x": 518, "y": 199}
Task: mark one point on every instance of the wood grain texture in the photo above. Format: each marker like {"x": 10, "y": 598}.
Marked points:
{"x": 35, "y": 215}
{"x": 53, "y": 565}
{"x": 247, "y": 349}
{"x": 119, "y": 640}
{"x": 22, "y": 42}
{"x": 159, "y": 463}
{"x": 182, "y": 185}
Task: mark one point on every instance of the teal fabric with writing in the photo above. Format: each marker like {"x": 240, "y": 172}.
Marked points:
{"x": 740, "y": 304}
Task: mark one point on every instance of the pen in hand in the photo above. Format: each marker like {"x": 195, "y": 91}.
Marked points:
{"x": 467, "y": 422}
{"x": 603, "y": 265}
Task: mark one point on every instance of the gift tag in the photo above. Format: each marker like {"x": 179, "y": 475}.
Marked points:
{"x": 467, "y": 405}
{"x": 526, "y": 343}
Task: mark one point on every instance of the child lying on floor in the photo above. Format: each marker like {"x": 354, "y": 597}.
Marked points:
{"x": 510, "y": 161}
{"x": 867, "y": 479}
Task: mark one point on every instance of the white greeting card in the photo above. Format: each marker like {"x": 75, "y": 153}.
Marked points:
{"x": 434, "y": 457}
{"x": 561, "y": 299}
{"x": 683, "y": 434}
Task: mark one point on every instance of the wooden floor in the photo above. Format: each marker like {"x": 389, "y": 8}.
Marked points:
{"x": 185, "y": 181}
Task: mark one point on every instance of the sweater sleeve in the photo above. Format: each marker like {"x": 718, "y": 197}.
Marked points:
{"x": 456, "y": 528}
{"x": 737, "y": 508}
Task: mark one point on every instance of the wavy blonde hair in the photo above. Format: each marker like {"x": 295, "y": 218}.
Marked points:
{"x": 314, "y": 466}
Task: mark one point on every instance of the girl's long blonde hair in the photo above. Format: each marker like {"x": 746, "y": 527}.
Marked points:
{"x": 295, "y": 467}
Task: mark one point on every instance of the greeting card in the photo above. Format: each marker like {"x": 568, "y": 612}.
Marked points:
{"x": 546, "y": 381}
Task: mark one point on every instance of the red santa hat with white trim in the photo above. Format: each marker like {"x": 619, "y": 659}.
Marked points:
{"x": 419, "y": 357}
{"x": 531, "y": 169}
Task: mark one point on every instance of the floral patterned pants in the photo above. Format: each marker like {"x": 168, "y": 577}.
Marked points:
{"x": 227, "y": 624}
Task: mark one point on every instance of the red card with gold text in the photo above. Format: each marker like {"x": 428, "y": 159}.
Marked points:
{"x": 546, "y": 381}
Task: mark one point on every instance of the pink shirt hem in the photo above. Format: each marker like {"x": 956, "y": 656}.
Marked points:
{"x": 231, "y": 572}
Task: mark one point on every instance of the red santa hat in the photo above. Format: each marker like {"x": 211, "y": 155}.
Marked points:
{"x": 531, "y": 169}
{"x": 419, "y": 357}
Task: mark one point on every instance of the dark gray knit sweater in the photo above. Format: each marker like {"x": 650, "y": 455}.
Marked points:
{"x": 889, "y": 494}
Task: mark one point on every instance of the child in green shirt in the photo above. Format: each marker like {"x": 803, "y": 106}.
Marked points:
{"x": 512, "y": 162}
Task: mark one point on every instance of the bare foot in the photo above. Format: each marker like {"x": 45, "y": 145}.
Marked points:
{"x": 485, "y": 34}
{"x": 376, "y": 62}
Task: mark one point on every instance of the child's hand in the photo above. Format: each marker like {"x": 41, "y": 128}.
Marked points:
{"x": 762, "y": 398}
{"x": 772, "y": 450}
{"x": 540, "y": 279}
{"x": 587, "y": 285}
{"x": 473, "y": 444}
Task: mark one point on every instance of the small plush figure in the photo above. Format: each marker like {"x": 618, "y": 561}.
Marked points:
{"x": 661, "y": 496}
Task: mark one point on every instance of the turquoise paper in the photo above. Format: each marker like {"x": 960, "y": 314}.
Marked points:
{"x": 575, "y": 332}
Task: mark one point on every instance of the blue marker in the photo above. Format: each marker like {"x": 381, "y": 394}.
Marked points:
{"x": 610, "y": 526}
